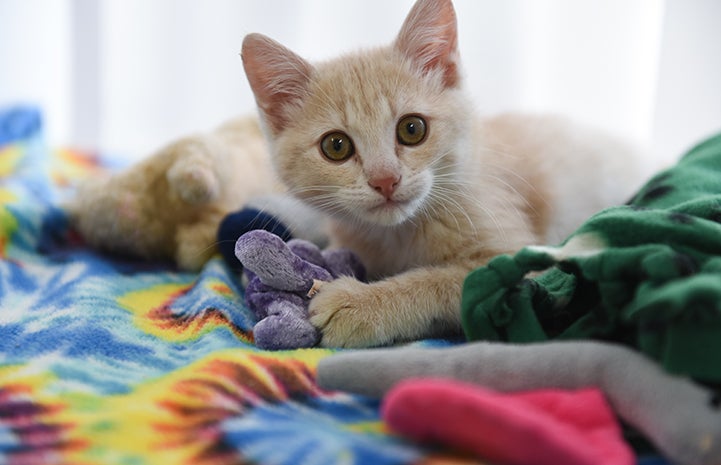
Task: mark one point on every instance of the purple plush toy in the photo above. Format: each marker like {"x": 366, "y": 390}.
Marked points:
{"x": 282, "y": 278}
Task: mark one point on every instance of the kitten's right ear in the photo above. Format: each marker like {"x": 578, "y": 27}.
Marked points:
{"x": 429, "y": 37}
{"x": 279, "y": 78}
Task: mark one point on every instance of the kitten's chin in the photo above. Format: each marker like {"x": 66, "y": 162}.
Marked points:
{"x": 403, "y": 207}
{"x": 390, "y": 213}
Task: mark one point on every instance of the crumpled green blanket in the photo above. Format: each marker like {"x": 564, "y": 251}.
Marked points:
{"x": 647, "y": 274}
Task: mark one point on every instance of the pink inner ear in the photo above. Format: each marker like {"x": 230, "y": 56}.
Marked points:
{"x": 429, "y": 37}
{"x": 278, "y": 77}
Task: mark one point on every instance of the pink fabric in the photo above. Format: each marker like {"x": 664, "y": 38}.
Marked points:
{"x": 545, "y": 427}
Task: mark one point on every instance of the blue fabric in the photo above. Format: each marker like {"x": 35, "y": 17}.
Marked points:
{"x": 19, "y": 123}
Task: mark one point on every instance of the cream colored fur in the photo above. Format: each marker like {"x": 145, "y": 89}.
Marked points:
{"x": 472, "y": 189}
{"x": 169, "y": 205}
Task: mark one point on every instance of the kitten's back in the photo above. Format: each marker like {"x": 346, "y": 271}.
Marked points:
{"x": 566, "y": 171}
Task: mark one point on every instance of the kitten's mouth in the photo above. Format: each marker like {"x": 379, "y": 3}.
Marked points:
{"x": 390, "y": 212}
{"x": 390, "y": 204}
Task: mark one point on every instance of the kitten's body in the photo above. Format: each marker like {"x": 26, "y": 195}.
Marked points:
{"x": 420, "y": 215}
{"x": 524, "y": 183}
{"x": 530, "y": 180}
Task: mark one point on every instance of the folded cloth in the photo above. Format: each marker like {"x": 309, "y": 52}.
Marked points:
{"x": 647, "y": 274}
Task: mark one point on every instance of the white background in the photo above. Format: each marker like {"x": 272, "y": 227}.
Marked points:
{"x": 129, "y": 75}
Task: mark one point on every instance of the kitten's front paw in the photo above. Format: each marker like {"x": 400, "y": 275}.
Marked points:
{"x": 347, "y": 312}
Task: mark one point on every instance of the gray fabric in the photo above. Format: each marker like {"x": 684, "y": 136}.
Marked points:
{"x": 673, "y": 412}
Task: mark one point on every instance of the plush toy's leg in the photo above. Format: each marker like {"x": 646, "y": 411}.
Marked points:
{"x": 547, "y": 427}
{"x": 307, "y": 251}
{"x": 275, "y": 264}
{"x": 343, "y": 262}
{"x": 279, "y": 214}
{"x": 238, "y": 223}
{"x": 674, "y": 413}
{"x": 285, "y": 327}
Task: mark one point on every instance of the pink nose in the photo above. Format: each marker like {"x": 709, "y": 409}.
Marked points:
{"x": 386, "y": 185}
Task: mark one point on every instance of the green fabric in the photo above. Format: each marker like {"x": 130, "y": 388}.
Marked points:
{"x": 647, "y": 274}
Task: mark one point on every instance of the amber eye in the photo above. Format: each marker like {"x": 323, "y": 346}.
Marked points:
{"x": 411, "y": 130}
{"x": 337, "y": 146}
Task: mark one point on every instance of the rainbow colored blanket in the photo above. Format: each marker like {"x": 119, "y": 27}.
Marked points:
{"x": 110, "y": 361}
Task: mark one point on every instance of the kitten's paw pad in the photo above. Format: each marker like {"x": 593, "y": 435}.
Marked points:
{"x": 346, "y": 313}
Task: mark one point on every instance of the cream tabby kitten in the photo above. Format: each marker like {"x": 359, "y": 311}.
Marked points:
{"x": 385, "y": 143}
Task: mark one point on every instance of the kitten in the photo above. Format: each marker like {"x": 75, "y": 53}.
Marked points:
{"x": 386, "y": 144}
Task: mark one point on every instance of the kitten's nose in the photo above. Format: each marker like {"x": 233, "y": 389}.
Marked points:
{"x": 385, "y": 185}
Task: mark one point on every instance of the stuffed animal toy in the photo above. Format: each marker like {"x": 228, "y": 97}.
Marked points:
{"x": 169, "y": 205}
{"x": 681, "y": 418}
{"x": 282, "y": 277}
{"x": 273, "y": 214}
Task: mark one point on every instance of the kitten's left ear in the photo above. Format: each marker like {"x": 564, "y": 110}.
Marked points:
{"x": 429, "y": 37}
{"x": 279, "y": 78}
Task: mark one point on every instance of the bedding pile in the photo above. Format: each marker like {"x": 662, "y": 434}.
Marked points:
{"x": 105, "y": 360}
{"x": 646, "y": 274}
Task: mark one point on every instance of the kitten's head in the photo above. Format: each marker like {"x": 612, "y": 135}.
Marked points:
{"x": 369, "y": 137}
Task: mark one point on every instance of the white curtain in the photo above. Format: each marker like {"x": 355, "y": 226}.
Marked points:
{"x": 128, "y": 75}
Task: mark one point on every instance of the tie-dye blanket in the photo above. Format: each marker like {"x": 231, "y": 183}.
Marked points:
{"x": 109, "y": 361}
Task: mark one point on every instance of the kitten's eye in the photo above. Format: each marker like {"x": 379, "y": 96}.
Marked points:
{"x": 337, "y": 146}
{"x": 411, "y": 130}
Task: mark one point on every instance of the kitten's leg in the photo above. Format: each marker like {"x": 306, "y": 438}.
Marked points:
{"x": 192, "y": 176}
{"x": 418, "y": 303}
{"x": 196, "y": 243}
